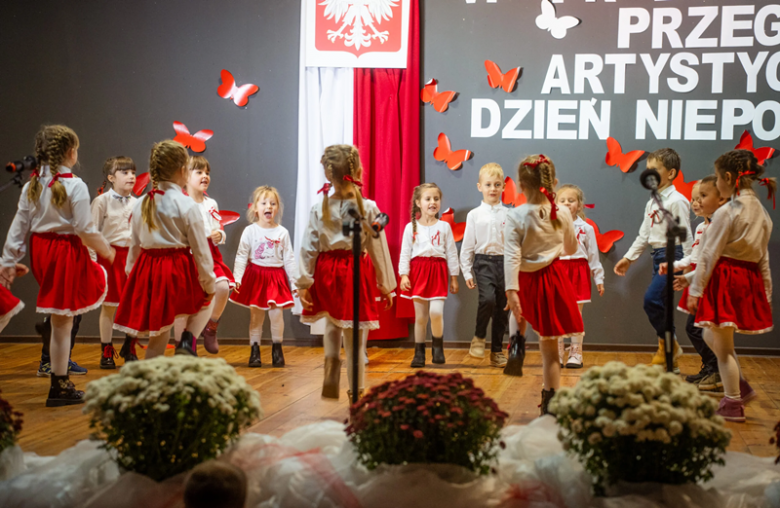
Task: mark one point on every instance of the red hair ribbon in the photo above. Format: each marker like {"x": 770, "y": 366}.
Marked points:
{"x": 325, "y": 188}
{"x": 276, "y": 242}
{"x": 542, "y": 158}
{"x": 551, "y": 198}
{"x": 58, "y": 176}
{"x": 765, "y": 183}
{"x": 348, "y": 178}
{"x": 35, "y": 174}
{"x": 741, "y": 174}
{"x": 152, "y": 192}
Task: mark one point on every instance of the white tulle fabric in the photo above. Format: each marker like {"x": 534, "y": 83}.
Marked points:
{"x": 315, "y": 466}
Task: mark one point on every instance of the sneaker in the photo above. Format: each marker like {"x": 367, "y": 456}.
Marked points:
{"x": 498, "y": 359}
{"x": 731, "y": 410}
{"x": 711, "y": 383}
{"x": 74, "y": 369}
{"x": 575, "y": 357}
{"x": 44, "y": 368}
{"x": 477, "y": 349}
{"x": 696, "y": 378}
{"x": 561, "y": 351}
{"x": 746, "y": 391}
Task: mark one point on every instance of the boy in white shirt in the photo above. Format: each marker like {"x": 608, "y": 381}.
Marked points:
{"x": 482, "y": 252}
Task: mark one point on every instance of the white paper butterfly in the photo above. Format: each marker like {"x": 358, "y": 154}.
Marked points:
{"x": 556, "y": 26}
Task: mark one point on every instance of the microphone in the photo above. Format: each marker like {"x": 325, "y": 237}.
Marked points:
{"x": 27, "y": 163}
{"x": 650, "y": 179}
{"x": 380, "y": 222}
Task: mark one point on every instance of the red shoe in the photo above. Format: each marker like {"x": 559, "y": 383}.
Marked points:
{"x": 731, "y": 410}
{"x": 209, "y": 335}
{"x": 746, "y": 391}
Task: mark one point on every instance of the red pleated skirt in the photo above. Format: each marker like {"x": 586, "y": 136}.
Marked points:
{"x": 429, "y": 278}
{"x": 70, "y": 282}
{"x": 548, "y": 302}
{"x": 735, "y": 297}
{"x": 332, "y": 293}
{"x": 221, "y": 270}
{"x": 262, "y": 287}
{"x": 162, "y": 286}
{"x": 117, "y": 277}
{"x": 682, "y": 305}
{"x": 9, "y": 306}
{"x": 578, "y": 272}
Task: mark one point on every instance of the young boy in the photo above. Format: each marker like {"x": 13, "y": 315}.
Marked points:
{"x": 483, "y": 251}
{"x": 652, "y": 233}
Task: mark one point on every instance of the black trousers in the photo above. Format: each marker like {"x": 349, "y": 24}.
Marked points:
{"x": 489, "y": 275}
{"x": 695, "y": 335}
{"x": 45, "y": 331}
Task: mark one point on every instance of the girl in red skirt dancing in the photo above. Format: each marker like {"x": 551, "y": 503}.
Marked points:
{"x": 9, "y": 304}
{"x": 54, "y": 207}
{"x": 325, "y": 266}
{"x": 536, "y": 234}
{"x": 732, "y": 285}
{"x": 428, "y": 262}
{"x": 580, "y": 267}
{"x": 111, "y": 212}
{"x": 171, "y": 272}
{"x": 264, "y": 271}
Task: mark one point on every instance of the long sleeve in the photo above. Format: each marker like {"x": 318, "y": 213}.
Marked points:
{"x": 642, "y": 240}
{"x": 468, "y": 247}
{"x": 290, "y": 266}
{"x": 512, "y": 255}
{"x": 136, "y": 223}
{"x": 712, "y": 244}
{"x": 242, "y": 256}
{"x": 82, "y": 221}
{"x": 196, "y": 237}
{"x": 451, "y": 249}
{"x": 594, "y": 262}
{"x": 763, "y": 265}
{"x": 98, "y": 208}
{"x": 383, "y": 264}
{"x": 16, "y": 241}
{"x": 682, "y": 210}
{"x": 309, "y": 251}
{"x": 683, "y": 263}
{"x": 405, "y": 257}
{"x": 217, "y": 226}
{"x": 570, "y": 243}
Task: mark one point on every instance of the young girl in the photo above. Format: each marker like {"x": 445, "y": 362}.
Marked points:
{"x": 580, "y": 267}
{"x": 536, "y": 234}
{"x": 732, "y": 285}
{"x": 54, "y": 207}
{"x": 325, "y": 266}
{"x": 429, "y": 259}
{"x": 265, "y": 285}
{"x": 111, "y": 213}
{"x": 9, "y": 304}
{"x": 171, "y": 273}
{"x": 197, "y": 185}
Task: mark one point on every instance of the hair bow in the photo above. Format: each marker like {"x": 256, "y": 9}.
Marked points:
{"x": 325, "y": 188}
{"x": 749, "y": 172}
{"x": 58, "y": 176}
{"x": 348, "y": 178}
{"x": 551, "y": 198}
{"x": 152, "y": 192}
{"x": 542, "y": 159}
{"x": 766, "y": 183}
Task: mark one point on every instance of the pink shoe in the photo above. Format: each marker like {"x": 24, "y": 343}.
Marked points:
{"x": 209, "y": 335}
{"x": 746, "y": 391}
{"x": 731, "y": 410}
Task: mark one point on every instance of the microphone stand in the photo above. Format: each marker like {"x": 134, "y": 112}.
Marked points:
{"x": 16, "y": 180}
{"x": 353, "y": 226}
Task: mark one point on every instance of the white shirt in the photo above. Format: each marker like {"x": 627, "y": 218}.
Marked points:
{"x": 265, "y": 247}
{"x": 434, "y": 241}
{"x": 693, "y": 258}
{"x": 740, "y": 229}
{"x": 74, "y": 218}
{"x": 484, "y": 235}
{"x": 653, "y": 230}
{"x": 321, "y": 238}
{"x": 179, "y": 224}
{"x": 111, "y": 214}
{"x": 587, "y": 248}
{"x": 209, "y": 210}
{"x": 532, "y": 242}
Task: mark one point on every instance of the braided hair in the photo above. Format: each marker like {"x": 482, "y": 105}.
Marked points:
{"x": 166, "y": 159}
{"x": 340, "y": 162}
{"x": 52, "y": 144}
{"x": 744, "y": 169}
{"x": 417, "y": 196}
{"x": 537, "y": 173}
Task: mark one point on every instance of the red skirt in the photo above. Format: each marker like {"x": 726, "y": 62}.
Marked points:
{"x": 548, "y": 302}
{"x": 332, "y": 294}
{"x": 9, "y": 306}
{"x": 162, "y": 286}
{"x": 429, "y": 279}
{"x": 117, "y": 277}
{"x": 682, "y": 305}
{"x": 70, "y": 282}
{"x": 735, "y": 297}
{"x": 220, "y": 268}
{"x": 262, "y": 286}
{"x": 578, "y": 272}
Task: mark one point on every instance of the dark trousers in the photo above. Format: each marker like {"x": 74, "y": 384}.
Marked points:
{"x": 655, "y": 294}
{"x": 45, "y": 331}
{"x": 708, "y": 358}
{"x": 489, "y": 275}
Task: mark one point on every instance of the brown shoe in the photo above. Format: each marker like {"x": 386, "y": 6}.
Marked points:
{"x": 498, "y": 359}
{"x": 330, "y": 385}
{"x": 209, "y": 335}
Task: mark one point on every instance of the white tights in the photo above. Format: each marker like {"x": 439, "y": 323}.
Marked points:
{"x": 107, "y": 323}
{"x": 256, "y": 318}
{"x": 423, "y": 310}
{"x": 59, "y": 348}
{"x": 193, "y": 324}
{"x": 721, "y": 341}
{"x": 331, "y": 341}
{"x": 220, "y": 299}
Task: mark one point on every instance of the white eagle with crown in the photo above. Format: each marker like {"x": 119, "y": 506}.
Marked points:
{"x": 360, "y": 15}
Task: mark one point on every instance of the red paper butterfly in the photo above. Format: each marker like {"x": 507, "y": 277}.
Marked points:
{"x": 510, "y": 196}
{"x": 607, "y": 240}
{"x": 616, "y": 157}
{"x": 762, "y": 154}
{"x": 229, "y": 90}
{"x": 683, "y": 187}
{"x": 496, "y": 78}
{"x": 225, "y": 217}
{"x": 141, "y": 182}
{"x": 196, "y": 142}
{"x": 439, "y": 100}
{"x": 444, "y": 153}
{"x": 457, "y": 227}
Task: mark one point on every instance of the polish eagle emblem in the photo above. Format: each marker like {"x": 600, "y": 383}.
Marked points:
{"x": 359, "y": 20}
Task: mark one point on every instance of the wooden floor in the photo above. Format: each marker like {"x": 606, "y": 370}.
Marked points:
{"x": 290, "y": 396}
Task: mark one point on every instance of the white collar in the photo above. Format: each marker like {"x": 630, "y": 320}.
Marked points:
{"x": 163, "y": 186}
{"x": 667, "y": 191}
{"x": 492, "y": 208}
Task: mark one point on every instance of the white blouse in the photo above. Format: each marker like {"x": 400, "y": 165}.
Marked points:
{"x": 435, "y": 241}
{"x": 265, "y": 247}
{"x": 533, "y": 243}
{"x": 111, "y": 213}
{"x": 179, "y": 225}
{"x": 484, "y": 235}
{"x": 209, "y": 210}
{"x": 73, "y": 218}
{"x": 588, "y": 248}
{"x": 653, "y": 230}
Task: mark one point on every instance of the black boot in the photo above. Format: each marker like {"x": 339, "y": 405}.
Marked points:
{"x": 63, "y": 393}
{"x": 107, "y": 358}
{"x": 254, "y": 356}
{"x": 186, "y": 344}
{"x": 438, "y": 350}
{"x": 547, "y": 395}
{"x": 128, "y": 349}
{"x": 514, "y": 364}
{"x": 277, "y": 355}
{"x": 418, "y": 362}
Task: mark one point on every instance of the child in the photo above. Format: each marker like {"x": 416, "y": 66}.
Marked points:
{"x": 54, "y": 207}
{"x": 197, "y": 185}
{"x": 325, "y": 266}
{"x": 732, "y": 285}
{"x": 537, "y": 233}
{"x": 580, "y": 267}
{"x": 9, "y": 304}
{"x": 482, "y": 250}
{"x": 428, "y": 253}
{"x": 215, "y": 484}
{"x": 169, "y": 263}
{"x": 265, "y": 285}
{"x": 111, "y": 213}
{"x": 652, "y": 233}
